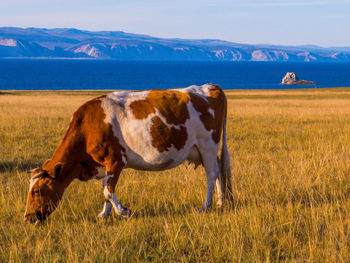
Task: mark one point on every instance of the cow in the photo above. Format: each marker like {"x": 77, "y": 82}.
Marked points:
{"x": 151, "y": 130}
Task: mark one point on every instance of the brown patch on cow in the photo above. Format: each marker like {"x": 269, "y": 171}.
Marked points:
{"x": 164, "y": 137}
{"x": 217, "y": 102}
{"x": 171, "y": 104}
{"x": 141, "y": 109}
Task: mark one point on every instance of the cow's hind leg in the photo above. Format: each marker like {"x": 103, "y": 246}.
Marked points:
{"x": 209, "y": 159}
{"x": 219, "y": 185}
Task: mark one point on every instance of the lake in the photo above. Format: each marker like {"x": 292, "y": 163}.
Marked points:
{"x": 69, "y": 74}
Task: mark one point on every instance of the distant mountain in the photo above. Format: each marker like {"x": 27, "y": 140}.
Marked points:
{"x": 74, "y": 43}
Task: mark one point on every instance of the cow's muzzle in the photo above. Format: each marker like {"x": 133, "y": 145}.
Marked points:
{"x": 36, "y": 217}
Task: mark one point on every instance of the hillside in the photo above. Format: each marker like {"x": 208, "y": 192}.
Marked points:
{"x": 74, "y": 43}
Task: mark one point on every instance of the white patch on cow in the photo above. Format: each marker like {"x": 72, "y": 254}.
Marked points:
{"x": 123, "y": 159}
{"x": 202, "y": 91}
{"x": 211, "y": 111}
{"x": 101, "y": 173}
{"x": 106, "y": 193}
{"x": 118, "y": 208}
{"x": 32, "y": 182}
{"x": 34, "y": 179}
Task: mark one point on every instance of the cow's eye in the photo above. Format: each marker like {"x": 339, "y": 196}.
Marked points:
{"x": 36, "y": 191}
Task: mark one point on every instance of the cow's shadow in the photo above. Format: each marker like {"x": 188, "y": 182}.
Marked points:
{"x": 159, "y": 212}
{"x": 150, "y": 213}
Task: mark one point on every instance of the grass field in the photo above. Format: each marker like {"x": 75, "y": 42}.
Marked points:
{"x": 290, "y": 155}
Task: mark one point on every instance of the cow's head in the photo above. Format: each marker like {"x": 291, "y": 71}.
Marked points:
{"x": 45, "y": 192}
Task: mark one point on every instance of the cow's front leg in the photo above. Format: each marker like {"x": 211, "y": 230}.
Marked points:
{"x": 107, "y": 209}
{"x": 105, "y": 149}
{"x": 109, "y": 183}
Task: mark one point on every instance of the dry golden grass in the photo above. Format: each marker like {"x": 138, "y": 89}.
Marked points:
{"x": 291, "y": 164}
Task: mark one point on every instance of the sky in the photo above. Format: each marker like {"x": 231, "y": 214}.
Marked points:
{"x": 284, "y": 22}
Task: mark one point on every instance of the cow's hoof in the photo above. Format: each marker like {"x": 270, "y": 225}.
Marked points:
{"x": 204, "y": 209}
{"x": 220, "y": 204}
{"x": 126, "y": 212}
{"x": 103, "y": 215}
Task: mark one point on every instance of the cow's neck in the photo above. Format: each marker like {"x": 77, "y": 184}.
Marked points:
{"x": 69, "y": 154}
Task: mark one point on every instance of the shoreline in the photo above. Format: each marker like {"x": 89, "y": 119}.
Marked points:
{"x": 342, "y": 93}
{"x": 226, "y": 90}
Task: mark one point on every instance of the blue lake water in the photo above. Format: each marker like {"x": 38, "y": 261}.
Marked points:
{"x": 41, "y": 74}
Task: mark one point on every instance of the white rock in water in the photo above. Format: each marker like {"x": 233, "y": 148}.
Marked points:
{"x": 291, "y": 79}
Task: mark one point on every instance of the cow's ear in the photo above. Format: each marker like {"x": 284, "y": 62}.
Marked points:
{"x": 46, "y": 162}
{"x": 35, "y": 171}
{"x": 57, "y": 170}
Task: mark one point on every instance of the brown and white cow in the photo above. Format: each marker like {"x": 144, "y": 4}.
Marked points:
{"x": 150, "y": 130}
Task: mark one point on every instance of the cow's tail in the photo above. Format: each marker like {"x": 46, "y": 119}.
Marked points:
{"x": 225, "y": 165}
